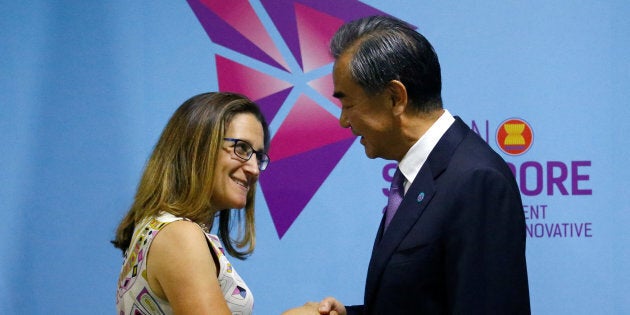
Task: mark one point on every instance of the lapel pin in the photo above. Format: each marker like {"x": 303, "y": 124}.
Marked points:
{"x": 420, "y": 197}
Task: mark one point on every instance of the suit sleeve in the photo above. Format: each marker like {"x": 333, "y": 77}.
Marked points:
{"x": 485, "y": 246}
{"x": 355, "y": 309}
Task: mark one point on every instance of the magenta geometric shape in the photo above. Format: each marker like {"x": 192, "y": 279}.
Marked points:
{"x": 305, "y": 149}
{"x": 242, "y": 79}
{"x": 324, "y": 85}
{"x": 308, "y": 126}
{"x": 315, "y": 29}
{"x": 283, "y": 15}
{"x": 309, "y": 142}
{"x": 235, "y": 25}
{"x": 290, "y": 183}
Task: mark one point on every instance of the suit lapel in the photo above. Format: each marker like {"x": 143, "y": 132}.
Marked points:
{"x": 416, "y": 200}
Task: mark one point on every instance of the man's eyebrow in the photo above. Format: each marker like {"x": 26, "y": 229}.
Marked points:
{"x": 338, "y": 95}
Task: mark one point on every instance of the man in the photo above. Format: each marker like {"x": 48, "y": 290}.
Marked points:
{"x": 456, "y": 242}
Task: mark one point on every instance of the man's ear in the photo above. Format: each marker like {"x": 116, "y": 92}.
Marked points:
{"x": 398, "y": 93}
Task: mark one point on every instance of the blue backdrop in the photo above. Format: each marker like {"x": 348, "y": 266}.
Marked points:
{"x": 87, "y": 86}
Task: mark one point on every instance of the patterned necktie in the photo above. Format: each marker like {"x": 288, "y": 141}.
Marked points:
{"x": 396, "y": 192}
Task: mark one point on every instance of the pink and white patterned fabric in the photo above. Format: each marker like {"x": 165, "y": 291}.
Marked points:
{"x": 135, "y": 297}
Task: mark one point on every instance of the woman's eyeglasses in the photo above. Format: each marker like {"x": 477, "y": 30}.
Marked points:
{"x": 244, "y": 150}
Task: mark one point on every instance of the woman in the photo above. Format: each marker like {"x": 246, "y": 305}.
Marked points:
{"x": 205, "y": 165}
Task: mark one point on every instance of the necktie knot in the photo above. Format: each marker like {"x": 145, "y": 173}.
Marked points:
{"x": 397, "y": 180}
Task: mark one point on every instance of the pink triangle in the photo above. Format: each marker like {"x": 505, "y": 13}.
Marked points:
{"x": 238, "y": 78}
{"x": 241, "y": 16}
{"x": 324, "y": 86}
{"x": 306, "y": 127}
{"x": 315, "y": 29}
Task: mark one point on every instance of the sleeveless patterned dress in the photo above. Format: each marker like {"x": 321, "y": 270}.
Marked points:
{"x": 135, "y": 297}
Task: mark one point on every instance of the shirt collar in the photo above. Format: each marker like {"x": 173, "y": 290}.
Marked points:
{"x": 413, "y": 160}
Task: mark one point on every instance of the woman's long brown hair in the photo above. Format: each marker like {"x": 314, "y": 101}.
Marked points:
{"x": 178, "y": 177}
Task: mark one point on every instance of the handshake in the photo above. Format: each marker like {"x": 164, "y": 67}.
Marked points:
{"x": 328, "y": 306}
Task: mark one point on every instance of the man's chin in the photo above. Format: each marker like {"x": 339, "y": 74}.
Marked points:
{"x": 370, "y": 154}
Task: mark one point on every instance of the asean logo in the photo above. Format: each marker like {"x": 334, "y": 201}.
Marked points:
{"x": 276, "y": 53}
{"x": 514, "y": 136}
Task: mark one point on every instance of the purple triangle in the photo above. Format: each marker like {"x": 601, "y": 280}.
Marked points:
{"x": 289, "y": 184}
{"x": 271, "y": 104}
{"x": 225, "y": 35}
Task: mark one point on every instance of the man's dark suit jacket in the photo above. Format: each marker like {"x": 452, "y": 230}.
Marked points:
{"x": 457, "y": 242}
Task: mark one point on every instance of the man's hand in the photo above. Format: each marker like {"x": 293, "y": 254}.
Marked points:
{"x": 330, "y": 306}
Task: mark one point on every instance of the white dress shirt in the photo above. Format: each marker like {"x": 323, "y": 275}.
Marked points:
{"x": 416, "y": 156}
